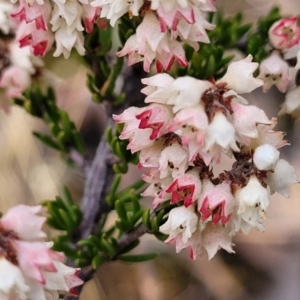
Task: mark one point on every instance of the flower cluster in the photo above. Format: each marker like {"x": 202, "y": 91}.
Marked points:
{"x": 188, "y": 126}
{"x": 284, "y": 37}
{"x": 29, "y": 269}
{"x": 164, "y": 27}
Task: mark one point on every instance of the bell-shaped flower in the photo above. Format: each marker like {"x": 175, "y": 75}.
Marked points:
{"x": 216, "y": 202}
{"x": 171, "y": 18}
{"x": 220, "y": 132}
{"x": 36, "y": 269}
{"x": 156, "y": 117}
{"x": 149, "y": 43}
{"x": 266, "y": 135}
{"x": 186, "y": 188}
{"x": 253, "y": 201}
{"x": 239, "y": 76}
{"x": 173, "y": 160}
{"x": 195, "y": 32}
{"x": 245, "y": 120}
{"x": 12, "y": 281}
{"x": 187, "y": 92}
{"x": 291, "y": 104}
{"x": 17, "y": 216}
{"x": 274, "y": 71}
{"x": 158, "y": 88}
{"x": 40, "y": 14}
{"x": 265, "y": 157}
{"x": 283, "y": 176}
{"x": 215, "y": 237}
{"x": 68, "y": 37}
{"x": 192, "y": 122}
{"x": 182, "y": 221}
{"x": 284, "y": 33}
{"x": 148, "y": 157}
{"x": 115, "y": 9}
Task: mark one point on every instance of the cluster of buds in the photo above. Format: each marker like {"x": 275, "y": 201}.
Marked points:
{"x": 186, "y": 129}
{"x": 29, "y": 269}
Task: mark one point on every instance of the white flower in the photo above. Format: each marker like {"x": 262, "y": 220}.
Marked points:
{"x": 182, "y": 221}
{"x": 253, "y": 202}
{"x": 220, "y": 132}
{"x": 291, "y": 104}
{"x": 239, "y": 76}
{"x": 173, "y": 160}
{"x": 280, "y": 180}
{"x": 187, "y": 92}
{"x": 12, "y": 282}
{"x": 265, "y": 157}
{"x": 274, "y": 70}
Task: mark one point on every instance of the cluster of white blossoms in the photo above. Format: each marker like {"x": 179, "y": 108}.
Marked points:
{"x": 29, "y": 269}
{"x": 165, "y": 26}
{"x": 185, "y": 130}
{"x": 284, "y": 38}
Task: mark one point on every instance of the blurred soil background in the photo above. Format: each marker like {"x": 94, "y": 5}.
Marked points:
{"x": 266, "y": 265}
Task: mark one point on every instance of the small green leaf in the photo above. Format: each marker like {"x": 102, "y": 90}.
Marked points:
{"x": 97, "y": 261}
{"x": 146, "y": 218}
{"x": 121, "y": 210}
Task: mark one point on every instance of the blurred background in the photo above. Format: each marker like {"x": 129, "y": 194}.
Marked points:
{"x": 266, "y": 265}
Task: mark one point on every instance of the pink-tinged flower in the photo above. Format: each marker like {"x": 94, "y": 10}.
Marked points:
{"x": 274, "y": 71}
{"x": 148, "y": 157}
{"x": 216, "y": 237}
{"x": 207, "y": 237}
{"x": 140, "y": 139}
{"x": 185, "y": 187}
{"x": 15, "y": 80}
{"x": 265, "y": 157}
{"x": 253, "y": 201}
{"x": 181, "y": 221}
{"x": 246, "y": 118}
{"x": 156, "y": 117}
{"x": 279, "y": 181}
{"x": 89, "y": 16}
{"x": 17, "y": 216}
{"x": 239, "y": 76}
{"x": 149, "y": 44}
{"x": 170, "y": 18}
{"x": 284, "y": 33}
{"x": 131, "y": 123}
{"x": 173, "y": 160}
{"x": 211, "y": 156}
{"x": 39, "y": 41}
{"x": 291, "y": 104}
{"x": 216, "y": 202}
{"x": 193, "y": 33}
{"x": 220, "y": 133}
{"x": 40, "y": 14}
{"x": 266, "y": 135}
{"x": 33, "y": 271}
{"x": 192, "y": 122}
